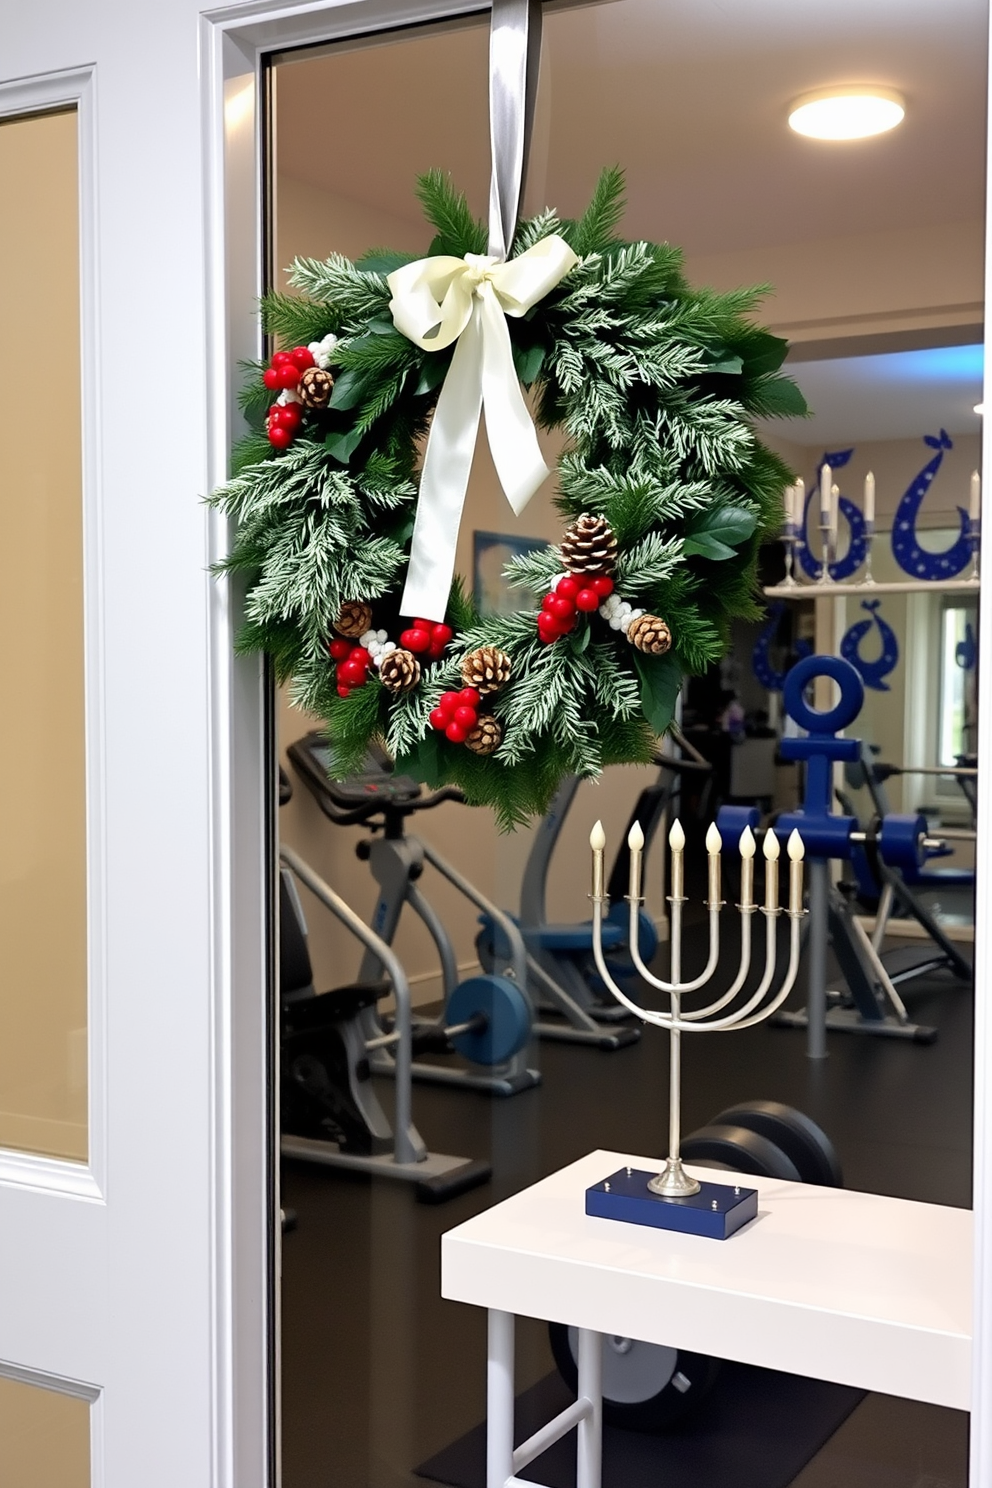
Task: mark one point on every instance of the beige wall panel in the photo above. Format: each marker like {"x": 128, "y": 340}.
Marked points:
{"x": 42, "y": 785}
{"x": 44, "y": 1438}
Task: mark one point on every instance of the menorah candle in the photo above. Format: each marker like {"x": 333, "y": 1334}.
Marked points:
{"x": 826, "y": 483}
{"x": 714, "y": 847}
{"x": 834, "y": 514}
{"x": 676, "y": 841}
{"x": 770, "y": 848}
{"x": 975, "y": 498}
{"x": 746, "y": 847}
{"x": 635, "y": 841}
{"x": 796, "y": 852}
{"x": 597, "y": 841}
{"x": 869, "y": 497}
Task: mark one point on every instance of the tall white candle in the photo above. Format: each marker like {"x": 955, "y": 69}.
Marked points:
{"x": 597, "y": 841}
{"x": 826, "y": 482}
{"x": 797, "y": 852}
{"x": 788, "y": 497}
{"x": 770, "y": 848}
{"x": 799, "y": 501}
{"x": 714, "y": 847}
{"x": 746, "y": 847}
{"x": 869, "y": 497}
{"x": 834, "y": 513}
{"x": 676, "y": 841}
{"x": 975, "y": 496}
{"x": 635, "y": 841}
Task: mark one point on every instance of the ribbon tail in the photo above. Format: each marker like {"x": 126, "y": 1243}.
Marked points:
{"x": 509, "y": 426}
{"x": 444, "y": 480}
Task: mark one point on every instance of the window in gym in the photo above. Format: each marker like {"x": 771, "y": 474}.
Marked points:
{"x": 43, "y": 943}
{"x": 875, "y": 252}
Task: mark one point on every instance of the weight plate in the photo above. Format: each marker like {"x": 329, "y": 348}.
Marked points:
{"x": 646, "y": 1386}
{"x": 505, "y": 1024}
{"x": 743, "y": 1150}
{"x": 809, "y": 1149}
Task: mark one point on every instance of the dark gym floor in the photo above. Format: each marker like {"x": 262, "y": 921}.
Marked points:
{"x": 379, "y": 1372}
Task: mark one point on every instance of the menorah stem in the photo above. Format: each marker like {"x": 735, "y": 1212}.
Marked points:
{"x": 673, "y": 1181}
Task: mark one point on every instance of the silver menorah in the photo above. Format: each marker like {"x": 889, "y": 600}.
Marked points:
{"x": 673, "y": 1182}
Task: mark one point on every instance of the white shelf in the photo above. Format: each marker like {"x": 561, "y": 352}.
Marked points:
{"x": 893, "y": 586}
{"x": 852, "y": 1287}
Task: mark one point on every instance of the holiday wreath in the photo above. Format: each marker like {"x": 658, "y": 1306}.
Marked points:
{"x": 664, "y": 487}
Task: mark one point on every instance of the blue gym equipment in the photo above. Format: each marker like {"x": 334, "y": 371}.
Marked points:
{"x": 899, "y": 844}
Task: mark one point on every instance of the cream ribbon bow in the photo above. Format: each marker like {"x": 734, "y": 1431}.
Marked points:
{"x": 440, "y": 300}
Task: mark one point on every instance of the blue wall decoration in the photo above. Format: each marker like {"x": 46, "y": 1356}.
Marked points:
{"x": 857, "y": 549}
{"x": 761, "y": 662}
{"x": 874, "y": 672}
{"x": 910, "y": 557}
{"x": 966, "y": 651}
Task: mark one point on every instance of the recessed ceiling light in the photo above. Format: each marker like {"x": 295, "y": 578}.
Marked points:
{"x": 853, "y": 112}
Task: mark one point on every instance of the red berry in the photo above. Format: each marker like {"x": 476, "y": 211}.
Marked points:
{"x": 281, "y": 358}
{"x": 548, "y": 602}
{"x": 435, "y": 652}
{"x": 455, "y": 733}
{"x": 469, "y": 697}
{"x": 301, "y": 358}
{"x": 449, "y": 701}
{"x": 466, "y": 716}
{"x": 440, "y": 718}
{"x": 415, "y": 640}
{"x": 362, "y": 657}
{"x": 351, "y": 673}
{"x": 568, "y": 587}
{"x": 343, "y": 691}
{"x": 339, "y": 649}
{"x": 547, "y": 628}
{"x": 271, "y": 378}
{"x": 562, "y": 609}
{"x": 419, "y": 624}
{"x": 441, "y": 635}
{"x": 291, "y": 415}
{"x": 289, "y": 375}
{"x": 603, "y": 585}
{"x": 279, "y": 436}
{"x": 587, "y": 599}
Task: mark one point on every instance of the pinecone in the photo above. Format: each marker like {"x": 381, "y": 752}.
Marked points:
{"x": 354, "y": 619}
{"x": 650, "y": 634}
{"x": 487, "y": 670}
{"x": 486, "y": 737}
{"x": 399, "y": 671}
{"x": 589, "y": 546}
{"x": 316, "y": 387}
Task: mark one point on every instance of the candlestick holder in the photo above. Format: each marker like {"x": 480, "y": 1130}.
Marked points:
{"x": 869, "y": 542}
{"x": 673, "y": 1199}
{"x": 790, "y": 537}
{"x": 975, "y": 538}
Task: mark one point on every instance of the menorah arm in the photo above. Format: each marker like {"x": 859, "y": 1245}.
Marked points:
{"x": 740, "y": 1019}
{"x": 727, "y": 997}
{"x": 633, "y": 940}
{"x": 649, "y": 1015}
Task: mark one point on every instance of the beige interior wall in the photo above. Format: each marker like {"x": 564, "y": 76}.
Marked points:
{"x": 42, "y": 783}
{"x": 44, "y": 1438}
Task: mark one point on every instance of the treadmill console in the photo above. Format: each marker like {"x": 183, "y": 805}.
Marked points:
{"x": 376, "y": 781}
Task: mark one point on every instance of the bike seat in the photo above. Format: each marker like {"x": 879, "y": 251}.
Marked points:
{"x": 572, "y": 937}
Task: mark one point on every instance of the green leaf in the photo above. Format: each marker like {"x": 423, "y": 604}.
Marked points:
{"x": 763, "y": 353}
{"x": 528, "y": 362}
{"x": 661, "y": 683}
{"x": 425, "y": 763}
{"x": 350, "y": 388}
{"x": 594, "y": 232}
{"x": 778, "y": 397}
{"x": 729, "y": 365}
{"x": 383, "y": 261}
{"x": 446, "y": 209}
{"x": 432, "y": 374}
{"x": 718, "y": 532}
{"x": 343, "y": 446}
{"x": 580, "y": 638}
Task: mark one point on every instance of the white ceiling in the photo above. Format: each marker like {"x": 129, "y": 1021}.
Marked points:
{"x": 690, "y": 95}
{"x": 901, "y": 395}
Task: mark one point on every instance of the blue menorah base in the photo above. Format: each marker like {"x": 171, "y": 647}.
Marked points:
{"x": 716, "y": 1211}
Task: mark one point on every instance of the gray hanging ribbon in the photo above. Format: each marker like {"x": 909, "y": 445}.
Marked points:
{"x": 444, "y": 301}
{"x": 514, "y": 66}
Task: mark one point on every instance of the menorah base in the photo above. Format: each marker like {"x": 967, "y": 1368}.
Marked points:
{"x": 716, "y": 1211}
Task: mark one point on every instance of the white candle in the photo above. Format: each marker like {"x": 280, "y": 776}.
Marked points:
{"x": 635, "y": 841}
{"x": 676, "y": 841}
{"x": 834, "y": 513}
{"x": 869, "y": 497}
{"x": 714, "y": 847}
{"x": 826, "y": 482}
{"x": 796, "y": 852}
{"x": 975, "y": 497}
{"x": 788, "y": 497}
{"x": 597, "y": 841}
{"x": 770, "y": 848}
{"x": 746, "y": 847}
{"x": 799, "y": 501}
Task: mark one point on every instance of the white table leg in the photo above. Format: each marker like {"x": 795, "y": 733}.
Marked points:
{"x": 589, "y": 1467}
{"x": 499, "y": 1387}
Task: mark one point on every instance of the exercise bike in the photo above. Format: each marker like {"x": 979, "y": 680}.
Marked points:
{"x": 649, "y": 1387}
{"x": 330, "y": 1112}
{"x": 563, "y": 976}
{"x": 491, "y": 1013}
